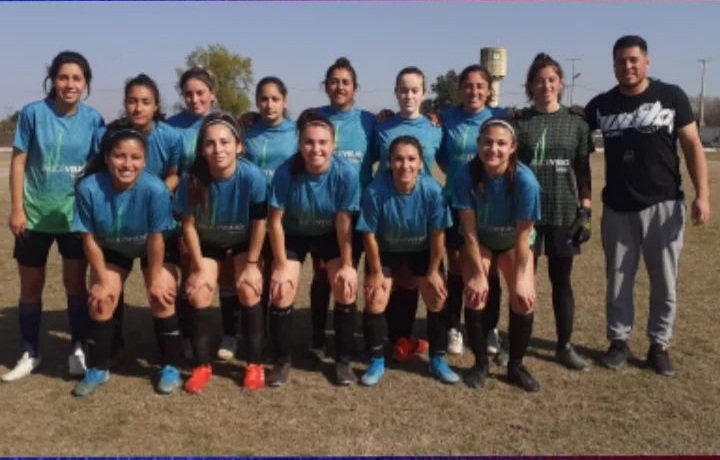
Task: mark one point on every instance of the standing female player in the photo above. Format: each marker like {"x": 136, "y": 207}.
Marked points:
{"x": 314, "y": 195}
{"x": 555, "y": 143}
{"x": 197, "y": 88}
{"x": 498, "y": 201}
{"x": 122, "y": 212}
{"x": 53, "y": 141}
{"x": 409, "y": 91}
{"x": 269, "y": 141}
{"x": 163, "y": 153}
{"x": 404, "y": 216}
{"x": 353, "y": 137}
{"x": 223, "y": 203}
{"x": 460, "y": 127}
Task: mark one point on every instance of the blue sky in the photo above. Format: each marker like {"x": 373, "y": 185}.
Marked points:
{"x": 297, "y": 41}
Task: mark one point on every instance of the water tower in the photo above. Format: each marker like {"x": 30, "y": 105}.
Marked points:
{"x": 495, "y": 60}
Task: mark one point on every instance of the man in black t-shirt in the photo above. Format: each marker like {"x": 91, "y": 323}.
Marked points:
{"x": 641, "y": 120}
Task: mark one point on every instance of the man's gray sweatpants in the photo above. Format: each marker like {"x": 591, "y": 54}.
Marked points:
{"x": 656, "y": 233}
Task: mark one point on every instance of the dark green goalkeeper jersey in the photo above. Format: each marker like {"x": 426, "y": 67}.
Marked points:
{"x": 551, "y": 144}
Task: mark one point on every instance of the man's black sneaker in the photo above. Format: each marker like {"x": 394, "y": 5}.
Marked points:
{"x": 476, "y": 376}
{"x": 344, "y": 375}
{"x": 279, "y": 374}
{"x": 658, "y": 359}
{"x": 616, "y": 356}
{"x": 568, "y": 357}
{"x": 518, "y": 375}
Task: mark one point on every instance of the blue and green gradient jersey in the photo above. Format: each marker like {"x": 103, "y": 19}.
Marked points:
{"x": 311, "y": 202}
{"x": 386, "y": 132}
{"x": 57, "y": 148}
{"x": 353, "y": 132}
{"x": 188, "y": 124}
{"x": 269, "y": 146}
{"x": 497, "y": 210}
{"x": 122, "y": 220}
{"x": 225, "y": 221}
{"x": 164, "y": 148}
{"x": 459, "y": 139}
{"x": 403, "y": 222}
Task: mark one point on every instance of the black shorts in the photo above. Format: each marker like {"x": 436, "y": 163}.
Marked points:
{"x": 32, "y": 248}
{"x": 454, "y": 239}
{"x": 172, "y": 255}
{"x": 324, "y": 247}
{"x": 556, "y": 242}
{"x": 418, "y": 262}
{"x": 220, "y": 254}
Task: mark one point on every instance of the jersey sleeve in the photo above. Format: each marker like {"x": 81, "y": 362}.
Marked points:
{"x": 280, "y": 187}
{"x": 527, "y": 197}
{"x": 348, "y": 199}
{"x": 24, "y": 130}
{"x": 177, "y": 148}
{"x": 82, "y": 213}
{"x": 159, "y": 206}
{"x": 591, "y": 113}
{"x": 461, "y": 197}
{"x": 439, "y": 215}
{"x": 683, "y": 111}
{"x": 443, "y": 156}
{"x": 97, "y": 140}
{"x": 180, "y": 200}
{"x": 258, "y": 183}
{"x": 369, "y": 211}
{"x": 369, "y": 160}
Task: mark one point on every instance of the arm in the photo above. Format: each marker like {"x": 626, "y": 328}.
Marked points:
{"x": 343, "y": 229}
{"x": 18, "y": 219}
{"x": 158, "y": 289}
{"x": 192, "y": 241}
{"x": 100, "y": 292}
{"x": 697, "y": 168}
{"x": 276, "y": 233}
{"x": 172, "y": 179}
{"x": 437, "y": 252}
{"x": 476, "y": 277}
{"x": 524, "y": 271}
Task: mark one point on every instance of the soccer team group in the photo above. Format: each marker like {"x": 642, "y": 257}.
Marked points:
{"x": 213, "y": 204}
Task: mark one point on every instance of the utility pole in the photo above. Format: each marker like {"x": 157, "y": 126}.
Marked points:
{"x": 701, "y": 102}
{"x": 573, "y": 77}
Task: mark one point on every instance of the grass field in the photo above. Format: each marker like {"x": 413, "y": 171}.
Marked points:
{"x": 632, "y": 411}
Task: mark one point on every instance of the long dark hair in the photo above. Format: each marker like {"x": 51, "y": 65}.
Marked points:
{"x": 200, "y": 177}
{"x": 308, "y": 117}
{"x": 477, "y": 169}
{"x": 144, "y": 80}
{"x": 66, "y": 57}
{"x": 116, "y": 132}
{"x": 541, "y": 61}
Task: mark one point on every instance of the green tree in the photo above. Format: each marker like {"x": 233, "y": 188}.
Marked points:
{"x": 233, "y": 72}
{"x": 445, "y": 89}
{"x": 7, "y": 128}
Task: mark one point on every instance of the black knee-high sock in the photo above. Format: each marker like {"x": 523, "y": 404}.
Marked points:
{"x": 344, "y": 323}
{"x": 519, "y": 334}
{"x": 492, "y": 307}
{"x": 281, "y": 320}
{"x": 29, "y": 316}
{"x": 374, "y": 334}
{"x": 476, "y": 333}
{"x": 229, "y": 310}
{"x": 118, "y": 340}
{"x": 563, "y": 299}
{"x": 184, "y": 313}
{"x": 319, "y": 304}
{"x": 400, "y": 313}
{"x": 253, "y": 328}
{"x": 167, "y": 332}
{"x": 100, "y": 343}
{"x": 437, "y": 332}
{"x": 200, "y": 322}
{"x": 454, "y": 302}
{"x": 79, "y": 318}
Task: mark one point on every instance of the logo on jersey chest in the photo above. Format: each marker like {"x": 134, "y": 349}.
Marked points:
{"x": 647, "y": 118}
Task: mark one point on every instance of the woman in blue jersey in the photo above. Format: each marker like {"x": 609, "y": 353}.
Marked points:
{"x": 53, "y": 141}
{"x": 498, "y": 201}
{"x": 460, "y": 127}
{"x": 410, "y": 92}
{"x": 163, "y": 154}
{"x": 197, "y": 88}
{"x": 554, "y": 142}
{"x": 123, "y": 212}
{"x": 223, "y": 204}
{"x": 353, "y": 137}
{"x": 313, "y": 197}
{"x": 404, "y": 216}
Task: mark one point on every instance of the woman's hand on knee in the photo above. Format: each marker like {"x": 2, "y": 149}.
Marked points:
{"x": 476, "y": 291}
{"x": 250, "y": 278}
{"x": 282, "y": 285}
{"x": 345, "y": 283}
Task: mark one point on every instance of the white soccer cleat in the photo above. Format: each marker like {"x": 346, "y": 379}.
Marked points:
{"x": 76, "y": 362}
{"x": 23, "y": 368}
{"x": 228, "y": 346}
{"x": 493, "y": 342}
{"x": 455, "y": 342}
